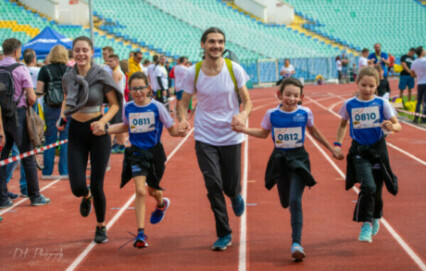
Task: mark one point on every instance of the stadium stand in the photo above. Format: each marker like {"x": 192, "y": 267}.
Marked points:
{"x": 361, "y": 23}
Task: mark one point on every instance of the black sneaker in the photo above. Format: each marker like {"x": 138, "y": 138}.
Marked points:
{"x": 101, "y": 235}
{"x": 12, "y": 195}
{"x": 40, "y": 200}
{"x": 86, "y": 206}
{"x": 6, "y": 204}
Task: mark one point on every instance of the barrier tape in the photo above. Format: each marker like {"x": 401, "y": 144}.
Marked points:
{"x": 29, "y": 153}
{"x": 411, "y": 113}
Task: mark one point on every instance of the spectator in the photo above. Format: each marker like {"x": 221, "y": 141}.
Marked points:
{"x": 379, "y": 58}
{"x": 354, "y": 72}
{"x": 30, "y": 60}
{"x": 218, "y": 147}
{"x": 124, "y": 66}
{"x": 405, "y": 78}
{"x": 169, "y": 80}
{"x": 131, "y": 54}
{"x": 120, "y": 79}
{"x": 49, "y": 74}
{"x": 106, "y": 52}
{"x": 287, "y": 70}
{"x": 161, "y": 76}
{"x": 134, "y": 63}
{"x": 339, "y": 69}
{"x": 71, "y": 60}
{"x": 151, "y": 72}
{"x": 145, "y": 65}
{"x": 363, "y": 59}
{"x": 391, "y": 63}
{"x": 345, "y": 67}
{"x": 15, "y": 128}
{"x": 418, "y": 69}
{"x": 383, "y": 89}
{"x": 180, "y": 71}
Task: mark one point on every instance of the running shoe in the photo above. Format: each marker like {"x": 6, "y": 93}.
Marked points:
{"x": 6, "y": 204}
{"x": 297, "y": 252}
{"x": 40, "y": 200}
{"x": 222, "y": 243}
{"x": 376, "y": 226}
{"x": 140, "y": 241}
{"x": 101, "y": 235}
{"x": 159, "y": 213}
{"x": 365, "y": 234}
{"x": 86, "y": 205}
{"x": 238, "y": 205}
{"x": 12, "y": 195}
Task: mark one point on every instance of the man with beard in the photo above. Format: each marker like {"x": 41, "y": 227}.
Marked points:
{"x": 217, "y": 83}
{"x": 380, "y": 58}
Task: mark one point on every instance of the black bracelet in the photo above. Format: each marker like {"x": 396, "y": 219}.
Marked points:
{"x": 106, "y": 128}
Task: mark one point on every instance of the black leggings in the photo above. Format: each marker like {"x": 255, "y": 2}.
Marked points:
{"x": 81, "y": 143}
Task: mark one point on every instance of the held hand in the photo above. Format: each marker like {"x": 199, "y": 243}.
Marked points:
{"x": 388, "y": 125}
{"x": 183, "y": 128}
{"x": 238, "y": 121}
{"x": 337, "y": 153}
{"x": 98, "y": 127}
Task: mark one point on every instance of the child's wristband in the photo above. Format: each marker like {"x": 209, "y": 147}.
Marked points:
{"x": 337, "y": 144}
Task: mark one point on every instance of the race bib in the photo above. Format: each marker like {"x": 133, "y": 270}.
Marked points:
{"x": 288, "y": 138}
{"x": 142, "y": 122}
{"x": 368, "y": 117}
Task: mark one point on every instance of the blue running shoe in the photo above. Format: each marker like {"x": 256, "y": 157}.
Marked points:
{"x": 297, "y": 252}
{"x": 140, "y": 241}
{"x": 222, "y": 243}
{"x": 376, "y": 226}
{"x": 238, "y": 205}
{"x": 366, "y": 231}
{"x": 158, "y": 214}
{"x": 39, "y": 201}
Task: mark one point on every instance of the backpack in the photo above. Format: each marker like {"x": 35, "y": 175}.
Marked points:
{"x": 54, "y": 94}
{"x": 7, "y": 90}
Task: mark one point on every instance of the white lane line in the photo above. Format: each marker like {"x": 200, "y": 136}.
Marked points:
{"x": 334, "y": 105}
{"x": 86, "y": 251}
{"x": 385, "y": 223}
{"x": 389, "y": 144}
{"x": 243, "y": 229}
{"x": 23, "y": 200}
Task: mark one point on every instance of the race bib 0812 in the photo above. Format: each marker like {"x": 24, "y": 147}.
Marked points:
{"x": 367, "y": 117}
{"x": 288, "y": 138}
{"x": 142, "y": 122}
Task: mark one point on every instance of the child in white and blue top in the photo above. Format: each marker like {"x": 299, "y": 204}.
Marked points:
{"x": 143, "y": 119}
{"x": 370, "y": 118}
{"x": 289, "y": 165}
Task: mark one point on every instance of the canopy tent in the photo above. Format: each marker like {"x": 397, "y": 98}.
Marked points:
{"x": 47, "y": 39}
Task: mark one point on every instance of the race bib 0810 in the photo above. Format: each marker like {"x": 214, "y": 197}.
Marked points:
{"x": 142, "y": 122}
{"x": 288, "y": 138}
{"x": 367, "y": 117}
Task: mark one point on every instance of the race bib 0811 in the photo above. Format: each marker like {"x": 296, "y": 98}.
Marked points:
{"x": 142, "y": 122}
{"x": 367, "y": 117}
{"x": 288, "y": 138}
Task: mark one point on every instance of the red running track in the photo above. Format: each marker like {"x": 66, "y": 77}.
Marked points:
{"x": 52, "y": 237}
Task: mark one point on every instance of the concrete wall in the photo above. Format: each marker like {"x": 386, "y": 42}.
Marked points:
{"x": 270, "y": 11}
{"x": 62, "y": 11}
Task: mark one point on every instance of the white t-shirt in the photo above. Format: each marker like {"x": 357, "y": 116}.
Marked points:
{"x": 180, "y": 72}
{"x": 419, "y": 67}
{"x": 287, "y": 71}
{"x": 107, "y": 69}
{"x": 362, "y": 62}
{"x": 217, "y": 103}
{"x": 144, "y": 70}
{"x": 339, "y": 65}
{"x": 34, "y": 74}
{"x": 151, "y": 75}
{"x": 160, "y": 71}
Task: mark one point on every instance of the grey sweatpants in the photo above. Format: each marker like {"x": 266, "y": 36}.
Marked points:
{"x": 221, "y": 168}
